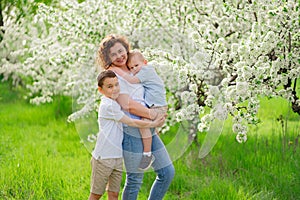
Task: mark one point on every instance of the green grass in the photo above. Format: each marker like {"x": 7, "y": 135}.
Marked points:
{"x": 41, "y": 157}
{"x": 40, "y": 153}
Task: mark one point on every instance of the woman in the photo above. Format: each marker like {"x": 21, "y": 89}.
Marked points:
{"x": 113, "y": 53}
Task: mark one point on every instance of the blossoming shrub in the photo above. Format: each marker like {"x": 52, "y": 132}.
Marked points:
{"x": 220, "y": 55}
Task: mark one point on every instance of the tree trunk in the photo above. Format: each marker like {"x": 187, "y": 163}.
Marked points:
{"x": 1, "y": 23}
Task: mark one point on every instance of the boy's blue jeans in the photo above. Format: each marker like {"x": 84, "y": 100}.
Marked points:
{"x": 132, "y": 152}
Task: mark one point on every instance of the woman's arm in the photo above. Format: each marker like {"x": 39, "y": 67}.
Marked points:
{"x": 131, "y": 106}
{"x": 142, "y": 124}
{"x": 126, "y": 76}
{"x": 135, "y": 108}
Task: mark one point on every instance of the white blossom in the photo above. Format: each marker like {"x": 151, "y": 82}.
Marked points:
{"x": 242, "y": 88}
{"x": 53, "y": 53}
{"x": 241, "y": 137}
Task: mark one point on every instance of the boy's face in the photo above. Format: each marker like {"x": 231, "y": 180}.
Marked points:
{"x": 136, "y": 64}
{"x": 110, "y": 88}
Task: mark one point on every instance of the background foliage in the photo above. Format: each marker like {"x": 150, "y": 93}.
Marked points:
{"x": 235, "y": 61}
{"x": 219, "y": 55}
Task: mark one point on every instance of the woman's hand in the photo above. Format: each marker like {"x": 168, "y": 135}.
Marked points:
{"x": 159, "y": 121}
{"x": 153, "y": 114}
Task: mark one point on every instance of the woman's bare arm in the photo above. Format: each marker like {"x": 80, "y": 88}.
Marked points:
{"x": 129, "y": 105}
{"x": 135, "y": 108}
{"x": 141, "y": 123}
{"x": 126, "y": 76}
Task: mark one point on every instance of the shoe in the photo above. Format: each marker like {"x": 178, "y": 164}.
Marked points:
{"x": 146, "y": 162}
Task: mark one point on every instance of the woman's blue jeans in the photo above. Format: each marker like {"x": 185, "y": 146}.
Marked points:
{"x": 163, "y": 167}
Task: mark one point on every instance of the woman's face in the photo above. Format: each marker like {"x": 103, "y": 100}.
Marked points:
{"x": 118, "y": 55}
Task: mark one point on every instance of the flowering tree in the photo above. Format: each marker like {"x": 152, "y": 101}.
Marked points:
{"x": 221, "y": 55}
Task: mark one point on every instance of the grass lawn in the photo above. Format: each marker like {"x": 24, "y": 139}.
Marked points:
{"x": 41, "y": 157}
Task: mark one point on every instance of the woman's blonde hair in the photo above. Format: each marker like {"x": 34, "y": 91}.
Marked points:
{"x": 103, "y": 52}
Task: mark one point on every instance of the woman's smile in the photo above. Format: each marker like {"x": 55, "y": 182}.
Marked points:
{"x": 121, "y": 60}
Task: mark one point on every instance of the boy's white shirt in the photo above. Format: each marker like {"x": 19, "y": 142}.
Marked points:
{"x": 110, "y": 136}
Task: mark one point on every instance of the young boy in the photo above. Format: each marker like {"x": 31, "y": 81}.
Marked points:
{"x": 107, "y": 160}
{"x": 155, "y": 96}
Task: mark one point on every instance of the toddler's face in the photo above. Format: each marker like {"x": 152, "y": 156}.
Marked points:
{"x": 135, "y": 65}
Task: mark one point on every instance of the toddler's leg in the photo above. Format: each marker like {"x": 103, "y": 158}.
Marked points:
{"x": 146, "y": 138}
{"x": 147, "y": 158}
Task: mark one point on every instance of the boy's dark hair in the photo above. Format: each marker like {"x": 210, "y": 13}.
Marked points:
{"x": 103, "y": 75}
